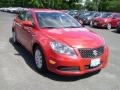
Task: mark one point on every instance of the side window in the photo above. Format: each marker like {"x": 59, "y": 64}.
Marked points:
{"x": 22, "y": 15}
{"x": 29, "y": 17}
{"x": 116, "y": 16}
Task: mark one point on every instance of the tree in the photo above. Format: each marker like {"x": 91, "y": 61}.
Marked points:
{"x": 90, "y": 5}
{"x": 36, "y": 3}
{"x": 53, "y": 4}
{"x": 109, "y": 5}
{"x": 103, "y": 5}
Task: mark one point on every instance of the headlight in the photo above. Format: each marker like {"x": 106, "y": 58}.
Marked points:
{"x": 89, "y": 18}
{"x": 62, "y": 48}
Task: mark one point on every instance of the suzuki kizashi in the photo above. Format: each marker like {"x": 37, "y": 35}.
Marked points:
{"x": 59, "y": 43}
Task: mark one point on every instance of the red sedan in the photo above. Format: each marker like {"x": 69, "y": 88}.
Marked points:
{"x": 59, "y": 43}
{"x": 107, "y": 20}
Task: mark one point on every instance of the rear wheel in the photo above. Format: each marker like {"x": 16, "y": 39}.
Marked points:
{"x": 39, "y": 60}
{"x": 14, "y": 37}
{"x": 109, "y": 26}
{"x": 91, "y": 23}
{"x": 117, "y": 31}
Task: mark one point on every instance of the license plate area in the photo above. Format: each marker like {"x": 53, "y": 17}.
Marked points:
{"x": 95, "y": 62}
{"x": 95, "y": 23}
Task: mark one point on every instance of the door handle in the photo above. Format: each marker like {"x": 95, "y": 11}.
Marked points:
{"x": 29, "y": 30}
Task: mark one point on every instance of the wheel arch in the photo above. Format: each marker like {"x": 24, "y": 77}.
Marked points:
{"x": 40, "y": 47}
{"x": 13, "y": 29}
{"x": 37, "y": 45}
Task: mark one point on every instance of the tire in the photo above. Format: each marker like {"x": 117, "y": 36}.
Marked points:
{"x": 40, "y": 62}
{"x": 118, "y": 29}
{"x": 109, "y": 26}
{"x": 14, "y": 37}
{"x": 91, "y": 23}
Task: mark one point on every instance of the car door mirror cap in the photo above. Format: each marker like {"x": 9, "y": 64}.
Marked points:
{"x": 28, "y": 23}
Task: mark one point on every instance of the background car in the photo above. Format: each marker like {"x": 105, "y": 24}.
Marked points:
{"x": 81, "y": 16}
{"x": 107, "y": 20}
{"x": 86, "y": 17}
{"x": 73, "y": 13}
{"x": 15, "y": 10}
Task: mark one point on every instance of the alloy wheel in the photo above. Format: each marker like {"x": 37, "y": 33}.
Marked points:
{"x": 109, "y": 26}
{"x": 14, "y": 36}
{"x": 38, "y": 59}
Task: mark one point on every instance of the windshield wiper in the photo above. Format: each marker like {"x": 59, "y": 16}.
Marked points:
{"x": 49, "y": 27}
{"x": 62, "y": 27}
{"x": 71, "y": 27}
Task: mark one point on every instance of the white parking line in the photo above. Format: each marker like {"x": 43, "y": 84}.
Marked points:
{"x": 3, "y": 45}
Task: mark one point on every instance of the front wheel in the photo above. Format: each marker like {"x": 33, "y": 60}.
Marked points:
{"x": 39, "y": 60}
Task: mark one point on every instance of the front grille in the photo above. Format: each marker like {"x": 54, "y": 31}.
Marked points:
{"x": 91, "y": 53}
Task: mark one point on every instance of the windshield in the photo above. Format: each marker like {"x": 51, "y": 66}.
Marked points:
{"x": 56, "y": 20}
{"x": 98, "y": 15}
{"x": 106, "y": 15}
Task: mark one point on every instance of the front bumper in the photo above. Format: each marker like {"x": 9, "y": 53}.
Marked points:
{"x": 76, "y": 66}
{"x": 100, "y": 24}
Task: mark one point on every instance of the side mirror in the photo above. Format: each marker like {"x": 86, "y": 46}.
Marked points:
{"x": 113, "y": 18}
{"x": 28, "y": 23}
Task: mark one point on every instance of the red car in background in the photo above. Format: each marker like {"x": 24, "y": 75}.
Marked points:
{"x": 107, "y": 20}
{"x": 59, "y": 43}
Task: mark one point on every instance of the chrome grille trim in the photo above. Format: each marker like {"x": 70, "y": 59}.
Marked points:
{"x": 91, "y": 52}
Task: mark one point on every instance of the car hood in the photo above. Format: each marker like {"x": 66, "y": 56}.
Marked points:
{"x": 75, "y": 37}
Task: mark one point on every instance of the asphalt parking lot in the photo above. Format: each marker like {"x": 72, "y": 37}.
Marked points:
{"x": 17, "y": 71}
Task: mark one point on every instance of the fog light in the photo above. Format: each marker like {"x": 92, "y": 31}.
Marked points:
{"x": 52, "y": 62}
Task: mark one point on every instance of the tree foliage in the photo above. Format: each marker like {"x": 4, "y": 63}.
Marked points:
{"x": 110, "y": 5}
{"x": 103, "y": 5}
{"x": 96, "y": 5}
{"x": 54, "y": 4}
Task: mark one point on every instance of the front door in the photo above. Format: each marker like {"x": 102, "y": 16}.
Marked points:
{"x": 28, "y": 32}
